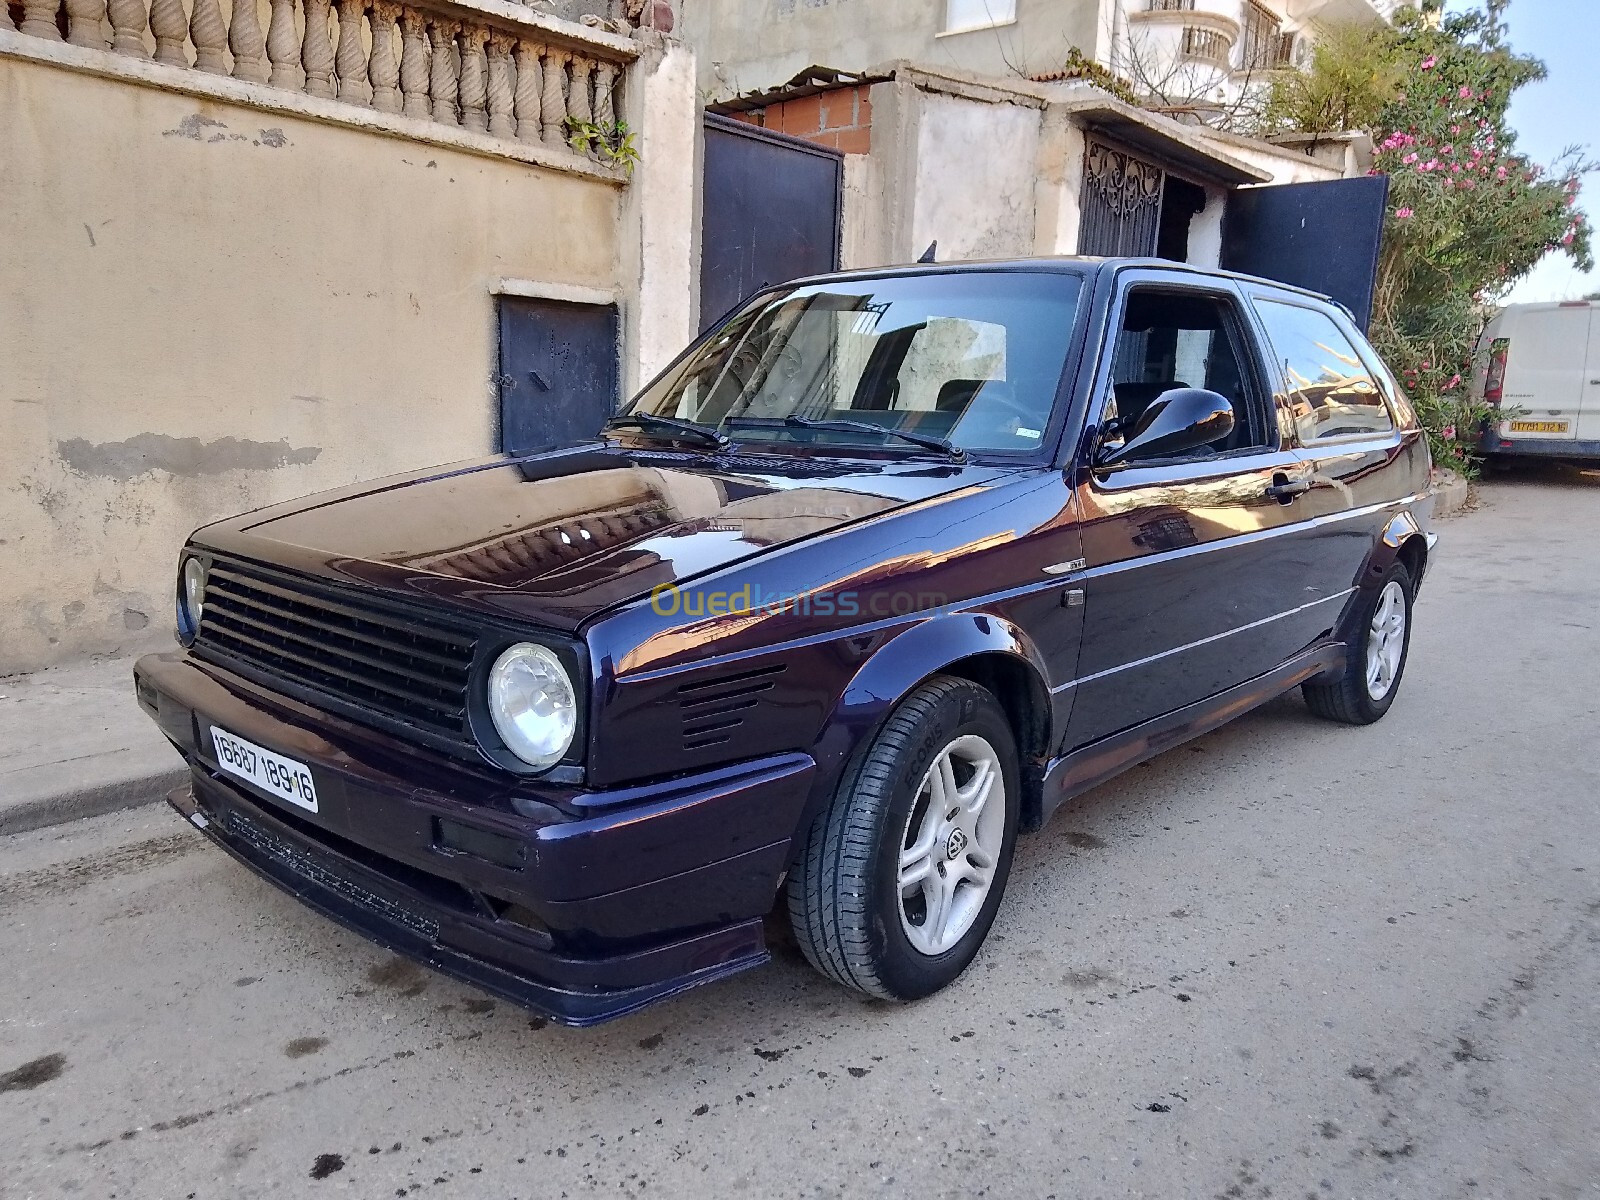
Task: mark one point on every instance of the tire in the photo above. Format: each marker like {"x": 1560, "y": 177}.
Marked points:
{"x": 844, "y": 891}
{"x": 1364, "y": 692}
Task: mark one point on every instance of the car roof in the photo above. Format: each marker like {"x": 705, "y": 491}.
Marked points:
{"x": 1066, "y": 264}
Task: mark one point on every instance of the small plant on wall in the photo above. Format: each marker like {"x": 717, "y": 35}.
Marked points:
{"x": 612, "y": 142}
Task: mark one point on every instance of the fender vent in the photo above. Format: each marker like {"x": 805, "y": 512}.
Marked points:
{"x": 713, "y": 709}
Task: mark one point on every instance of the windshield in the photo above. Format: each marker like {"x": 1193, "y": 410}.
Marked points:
{"x": 972, "y": 358}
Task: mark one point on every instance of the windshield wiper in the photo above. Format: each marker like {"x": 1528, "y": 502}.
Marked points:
{"x": 649, "y": 421}
{"x": 927, "y": 441}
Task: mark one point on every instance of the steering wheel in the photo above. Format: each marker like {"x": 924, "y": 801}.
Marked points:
{"x": 997, "y": 405}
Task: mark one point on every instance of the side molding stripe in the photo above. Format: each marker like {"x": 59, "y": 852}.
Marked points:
{"x": 1215, "y": 637}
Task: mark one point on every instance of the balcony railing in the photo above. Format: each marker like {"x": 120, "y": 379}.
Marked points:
{"x": 448, "y": 63}
{"x": 1205, "y": 44}
{"x": 1171, "y": 6}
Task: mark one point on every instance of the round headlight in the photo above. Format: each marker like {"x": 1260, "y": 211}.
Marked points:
{"x": 534, "y": 708}
{"x": 192, "y": 595}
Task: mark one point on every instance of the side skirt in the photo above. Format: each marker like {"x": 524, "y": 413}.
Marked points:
{"x": 1088, "y": 767}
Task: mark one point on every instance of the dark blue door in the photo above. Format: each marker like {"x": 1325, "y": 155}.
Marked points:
{"x": 1321, "y": 236}
{"x": 770, "y": 213}
{"x": 558, "y": 372}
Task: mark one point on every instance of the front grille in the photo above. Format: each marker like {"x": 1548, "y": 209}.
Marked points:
{"x": 713, "y": 709}
{"x": 365, "y": 656}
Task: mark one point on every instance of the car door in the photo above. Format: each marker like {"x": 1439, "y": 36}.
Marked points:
{"x": 1191, "y": 585}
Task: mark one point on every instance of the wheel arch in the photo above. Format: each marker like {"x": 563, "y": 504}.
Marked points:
{"x": 982, "y": 648}
{"x": 1402, "y": 540}
{"x": 1022, "y": 693}
{"x": 1413, "y": 553}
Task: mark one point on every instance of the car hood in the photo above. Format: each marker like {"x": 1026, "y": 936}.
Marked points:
{"x": 557, "y": 538}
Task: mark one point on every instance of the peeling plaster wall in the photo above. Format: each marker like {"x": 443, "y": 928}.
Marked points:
{"x": 977, "y": 169}
{"x": 965, "y": 171}
{"x": 206, "y": 308}
{"x": 661, "y": 211}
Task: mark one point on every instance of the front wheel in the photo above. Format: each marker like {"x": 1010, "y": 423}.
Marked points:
{"x": 900, "y": 877}
{"x": 1371, "y": 677}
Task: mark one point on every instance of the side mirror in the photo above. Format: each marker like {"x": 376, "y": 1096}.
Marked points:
{"x": 1174, "y": 421}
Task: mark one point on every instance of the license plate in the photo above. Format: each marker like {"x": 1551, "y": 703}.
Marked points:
{"x": 1539, "y": 426}
{"x": 272, "y": 773}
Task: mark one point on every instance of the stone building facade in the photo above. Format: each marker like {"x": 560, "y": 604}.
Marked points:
{"x": 1205, "y": 52}
{"x": 256, "y": 249}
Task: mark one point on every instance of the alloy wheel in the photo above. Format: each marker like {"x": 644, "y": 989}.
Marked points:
{"x": 951, "y": 844}
{"x": 1386, "y": 641}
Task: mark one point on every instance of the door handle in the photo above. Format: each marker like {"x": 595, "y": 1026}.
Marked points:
{"x": 1284, "y": 490}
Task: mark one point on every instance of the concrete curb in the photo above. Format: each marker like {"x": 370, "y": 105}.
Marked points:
{"x": 75, "y": 743}
{"x": 1452, "y": 494}
{"x": 40, "y": 812}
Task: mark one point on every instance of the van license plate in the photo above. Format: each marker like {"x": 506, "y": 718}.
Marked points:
{"x": 272, "y": 773}
{"x": 1539, "y": 426}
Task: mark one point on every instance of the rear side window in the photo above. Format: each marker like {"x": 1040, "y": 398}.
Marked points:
{"x": 1331, "y": 392}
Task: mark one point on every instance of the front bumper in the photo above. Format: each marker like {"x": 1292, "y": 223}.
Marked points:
{"x": 580, "y": 905}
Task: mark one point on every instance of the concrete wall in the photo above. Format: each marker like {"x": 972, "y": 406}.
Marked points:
{"x": 207, "y": 307}
{"x": 991, "y": 171}
{"x": 746, "y": 45}
{"x": 1290, "y": 164}
{"x": 976, "y": 168}
{"x": 948, "y": 162}
{"x": 659, "y": 251}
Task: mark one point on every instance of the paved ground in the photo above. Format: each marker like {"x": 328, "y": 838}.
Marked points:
{"x": 1291, "y": 960}
{"x": 73, "y": 743}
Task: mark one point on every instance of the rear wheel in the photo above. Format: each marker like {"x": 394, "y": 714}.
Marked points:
{"x": 900, "y": 877}
{"x": 1371, "y": 677}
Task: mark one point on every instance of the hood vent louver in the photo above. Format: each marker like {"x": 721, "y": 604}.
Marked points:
{"x": 713, "y": 709}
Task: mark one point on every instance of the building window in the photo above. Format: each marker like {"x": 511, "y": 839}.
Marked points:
{"x": 961, "y": 15}
{"x": 1263, "y": 39}
{"x": 1205, "y": 43}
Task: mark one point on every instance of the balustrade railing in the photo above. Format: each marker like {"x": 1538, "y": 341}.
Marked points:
{"x": 1205, "y": 44}
{"x": 479, "y": 72}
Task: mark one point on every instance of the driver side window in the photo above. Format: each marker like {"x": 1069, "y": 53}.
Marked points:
{"x": 1171, "y": 338}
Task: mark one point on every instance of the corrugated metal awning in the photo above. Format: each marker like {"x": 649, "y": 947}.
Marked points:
{"x": 813, "y": 81}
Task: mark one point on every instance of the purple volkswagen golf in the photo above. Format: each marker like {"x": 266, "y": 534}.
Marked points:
{"x": 873, "y": 578}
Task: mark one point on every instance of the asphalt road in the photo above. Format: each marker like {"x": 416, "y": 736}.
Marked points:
{"x": 1289, "y": 960}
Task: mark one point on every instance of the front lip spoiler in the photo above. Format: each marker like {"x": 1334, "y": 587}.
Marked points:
{"x": 403, "y": 926}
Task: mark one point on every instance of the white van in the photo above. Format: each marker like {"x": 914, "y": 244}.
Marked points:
{"x": 1543, "y": 359}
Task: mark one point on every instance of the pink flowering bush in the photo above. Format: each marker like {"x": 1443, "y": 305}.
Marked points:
{"x": 1468, "y": 215}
